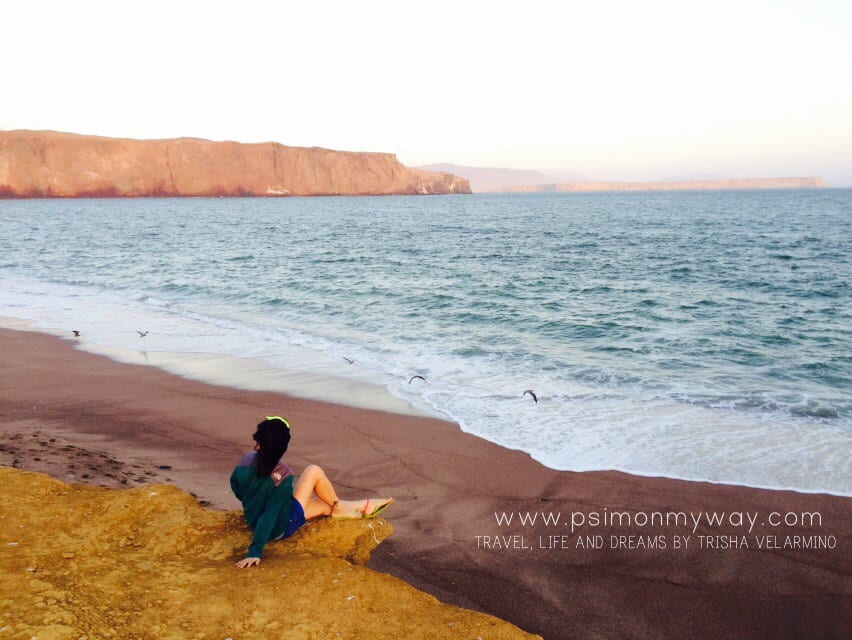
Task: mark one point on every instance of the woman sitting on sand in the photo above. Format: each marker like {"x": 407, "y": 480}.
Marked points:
{"x": 273, "y": 508}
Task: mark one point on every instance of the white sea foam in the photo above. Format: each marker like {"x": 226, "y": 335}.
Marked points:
{"x": 216, "y": 351}
{"x": 572, "y": 427}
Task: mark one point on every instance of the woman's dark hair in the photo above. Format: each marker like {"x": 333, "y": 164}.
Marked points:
{"x": 273, "y": 437}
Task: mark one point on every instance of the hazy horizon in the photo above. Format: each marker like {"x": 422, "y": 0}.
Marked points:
{"x": 568, "y": 175}
{"x": 614, "y": 91}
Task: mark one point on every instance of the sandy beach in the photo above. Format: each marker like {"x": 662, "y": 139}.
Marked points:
{"x": 771, "y": 572}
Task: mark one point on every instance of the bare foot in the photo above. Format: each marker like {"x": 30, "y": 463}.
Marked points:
{"x": 360, "y": 508}
{"x": 348, "y": 509}
{"x": 374, "y": 506}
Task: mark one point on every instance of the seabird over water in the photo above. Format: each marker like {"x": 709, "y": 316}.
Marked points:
{"x": 413, "y": 377}
{"x": 76, "y": 333}
{"x": 142, "y": 334}
{"x": 532, "y": 393}
{"x": 349, "y": 360}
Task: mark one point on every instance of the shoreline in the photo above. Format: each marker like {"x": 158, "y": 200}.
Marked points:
{"x": 448, "y": 485}
{"x": 249, "y": 374}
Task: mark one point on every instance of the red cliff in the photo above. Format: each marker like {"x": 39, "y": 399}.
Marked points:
{"x": 49, "y": 164}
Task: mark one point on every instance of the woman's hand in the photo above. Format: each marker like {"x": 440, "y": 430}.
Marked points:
{"x": 247, "y": 562}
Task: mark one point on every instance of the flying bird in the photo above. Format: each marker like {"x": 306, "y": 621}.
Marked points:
{"x": 349, "y": 360}
{"x": 142, "y": 334}
{"x": 76, "y": 333}
{"x": 413, "y": 377}
{"x": 532, "y": 393}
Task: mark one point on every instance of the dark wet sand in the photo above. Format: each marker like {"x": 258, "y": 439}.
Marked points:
{"x": 82, "y": 417}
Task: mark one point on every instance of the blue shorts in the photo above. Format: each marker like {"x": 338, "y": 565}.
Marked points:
{"x": 297, "y": 519}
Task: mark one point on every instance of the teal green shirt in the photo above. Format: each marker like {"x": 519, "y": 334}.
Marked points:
{"x": 266, "y": 505}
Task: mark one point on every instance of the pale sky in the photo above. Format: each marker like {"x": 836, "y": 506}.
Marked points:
{"x": 615, "y": 90}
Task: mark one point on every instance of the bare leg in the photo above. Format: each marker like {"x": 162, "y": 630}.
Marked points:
{"x": 317, "y": 508}
{"x": 314, "y": 481}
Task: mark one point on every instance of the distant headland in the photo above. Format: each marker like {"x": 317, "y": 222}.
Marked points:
{"x": 50, "y": 164}
{"x": 683, "y": 185}
{"x": 495, "y": 180}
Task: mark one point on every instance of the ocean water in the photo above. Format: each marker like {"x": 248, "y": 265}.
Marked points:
{"x": 698, "y": 335}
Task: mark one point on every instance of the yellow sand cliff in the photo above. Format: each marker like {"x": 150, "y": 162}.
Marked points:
{"x": 79, "y": 561}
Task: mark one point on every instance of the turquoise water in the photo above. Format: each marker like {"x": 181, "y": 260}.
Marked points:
{"x": 701, "y": 335}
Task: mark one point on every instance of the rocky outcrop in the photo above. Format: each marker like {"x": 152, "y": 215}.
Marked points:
{"x": 49, "y": 164}
{"x": 685, "y": 185}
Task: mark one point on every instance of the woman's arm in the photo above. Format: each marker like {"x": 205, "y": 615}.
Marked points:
{"x": 279, "y": 502}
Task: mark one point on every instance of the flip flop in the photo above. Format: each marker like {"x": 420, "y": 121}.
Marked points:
{"x": 372, "y": 514}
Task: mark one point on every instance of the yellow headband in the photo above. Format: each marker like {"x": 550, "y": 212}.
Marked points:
{"x": 286, "y": 424}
